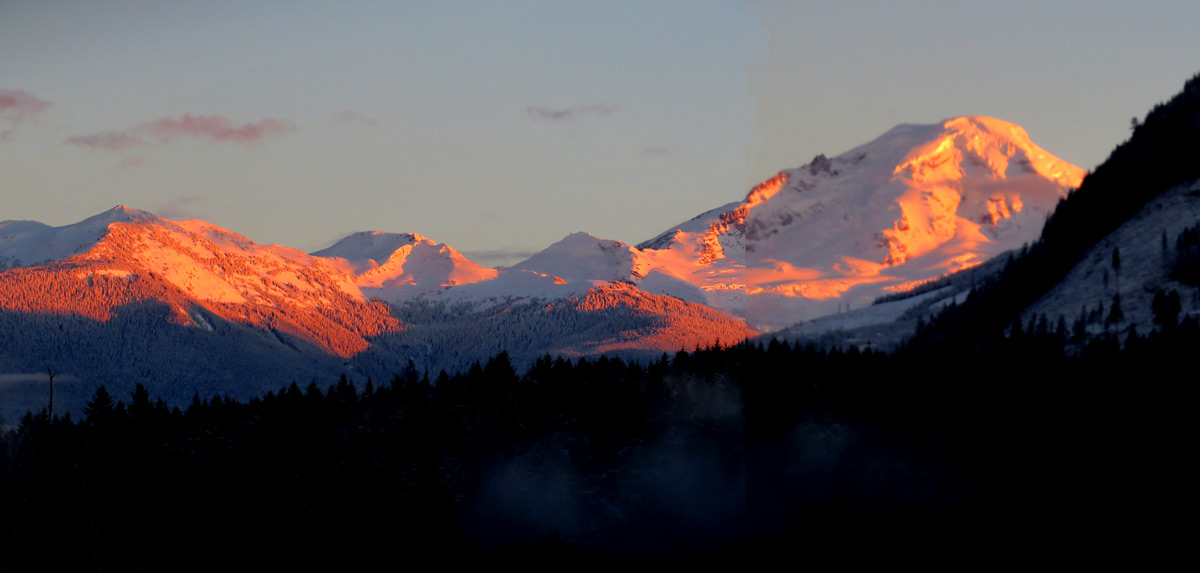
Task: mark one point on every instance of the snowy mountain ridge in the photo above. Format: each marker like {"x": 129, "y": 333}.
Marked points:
{"x": 915, "y": 204}
{"x": 344, "y": 299}
{"x": 396, "y": 267}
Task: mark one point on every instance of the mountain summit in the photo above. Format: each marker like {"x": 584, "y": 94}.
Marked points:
{"x": 398, "y": 266}
{"x": 917, "y": 203}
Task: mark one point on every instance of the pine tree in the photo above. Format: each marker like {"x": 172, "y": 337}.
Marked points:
{"x": 140, "y": 407}
{"x": 1115, "y": 314}
{"x": 1079, "y": 333}
{"x": 1116, "y": 265}
{"x": 100, "y": 406}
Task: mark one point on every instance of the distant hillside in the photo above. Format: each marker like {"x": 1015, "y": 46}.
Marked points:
{"x": 1160, "y": 155}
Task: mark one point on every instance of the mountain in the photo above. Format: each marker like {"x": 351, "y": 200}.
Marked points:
{"x": 580, "y": 262}
{"x": 24, "y": 243}
{"x": 1141, "y": 193}
{"x": 580, "y": 296}
{"x": 580, "y": 257}
{"x": 918, "y": 203}
{"x": 396, "y": 267}
{"x": 127, "y": 297}
{"x": 1116, "y": 260}
{"x": 124, "y": 256}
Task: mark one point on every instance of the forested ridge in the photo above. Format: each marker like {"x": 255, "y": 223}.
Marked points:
{"x": 719, "y": 453}
{"x": 97, "y": 290}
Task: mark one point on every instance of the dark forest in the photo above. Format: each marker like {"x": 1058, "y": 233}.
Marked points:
{"x": 718, "y": 453}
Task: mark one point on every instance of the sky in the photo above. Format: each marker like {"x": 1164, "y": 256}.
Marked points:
{"x": 501, "y": 127}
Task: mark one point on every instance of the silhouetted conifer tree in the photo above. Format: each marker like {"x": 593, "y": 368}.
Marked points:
{"x": 1115, "y": 314}
{"x": 100, "y": 408}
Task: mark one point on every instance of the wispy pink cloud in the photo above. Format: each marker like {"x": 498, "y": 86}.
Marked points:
{"x": 215, "y": 129}
{"x": 113, "y": 140}
{"x": 17, "y": 106}
{"x": 210, "y": 128}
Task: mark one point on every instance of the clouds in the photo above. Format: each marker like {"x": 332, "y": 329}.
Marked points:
{"x": 111, "y": 140}
{"x": 216, "y": 129}
{"x": 16, "y": 107}
{"x": 19, "y": 106}
{"x": 209, "y": 128}
{"x": 570, "y": 113}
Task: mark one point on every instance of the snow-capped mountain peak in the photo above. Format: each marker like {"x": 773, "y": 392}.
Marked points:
{"x": 916, "y": 203}
{"x": 398, "y": 266}
{"x": 582, "y": 257}
{"x": 24, "y": 243}
{"x": 369, "y": 248}
{"x": 126, "y": 214}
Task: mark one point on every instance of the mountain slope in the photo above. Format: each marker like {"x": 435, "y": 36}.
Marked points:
{"x": 917, "y": 203}
{"x": 1159, "y": 156}
{"x": 616, "y": 319}
{"x": 125, "y": 255}
{"x": 1085, "y": 296}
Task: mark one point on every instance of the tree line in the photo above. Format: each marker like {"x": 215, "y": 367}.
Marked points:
{"x": 711, "y": 454}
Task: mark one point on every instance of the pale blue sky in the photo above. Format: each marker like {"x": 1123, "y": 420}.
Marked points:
{"x": 504, "y": 126}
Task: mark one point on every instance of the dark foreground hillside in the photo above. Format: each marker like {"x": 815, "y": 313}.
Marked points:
{"x": 720, "y": 454}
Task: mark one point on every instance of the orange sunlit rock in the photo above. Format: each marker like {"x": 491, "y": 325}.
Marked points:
{"x": 192, "y": 267}
{"x": 766, "y": 189}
